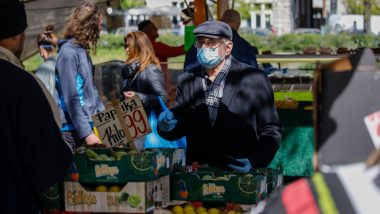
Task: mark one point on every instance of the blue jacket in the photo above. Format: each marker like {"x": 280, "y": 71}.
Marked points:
{"x": 77, "y": 94}
{"x": 242, "y": 51}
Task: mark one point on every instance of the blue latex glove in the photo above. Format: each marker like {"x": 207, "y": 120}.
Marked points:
{"x": 166, "y": 121}
{"x": 243, "y": 169}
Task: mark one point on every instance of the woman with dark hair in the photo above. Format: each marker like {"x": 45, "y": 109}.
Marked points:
{"x": 77, "y": 95}
{"x": 47, "y": 44}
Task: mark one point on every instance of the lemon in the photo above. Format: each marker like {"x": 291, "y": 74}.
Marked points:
{"x": 101, "y": 188}
{"x": 114, "y": 188}
{"x": 188, "y": 209}
{"x": 213, "y": 211}
{"x": 177, "y": 209}
{"x": 201, "y": 210}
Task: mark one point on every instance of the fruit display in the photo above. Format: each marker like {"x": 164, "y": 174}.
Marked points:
{"x": 288, "y": 103}
{"x": 342, "y": 50}
{"x": 198, "y": 207}
{"x": 325, "y": 50}
{"x": 310, "y": 50}
{"x": 130, "y": 197}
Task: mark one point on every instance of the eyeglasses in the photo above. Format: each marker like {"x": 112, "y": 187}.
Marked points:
{"x": 209, "y": 43}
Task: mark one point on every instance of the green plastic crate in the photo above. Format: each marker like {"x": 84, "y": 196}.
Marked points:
{"x": 132, "y": 167}
{"x": 214, "y": 185}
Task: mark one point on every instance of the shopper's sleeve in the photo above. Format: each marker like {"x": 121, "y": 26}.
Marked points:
{"x": 157, "y": 88}
{"x": 67, "y": 67}
{"x": 44, "y": 154}
{"x": 164, "y": 51}
{"x": 251, "y": 56}
{"x": 99, "y": 104}
{"x": 268, "y": 124}
{"x": 179, "y": 130}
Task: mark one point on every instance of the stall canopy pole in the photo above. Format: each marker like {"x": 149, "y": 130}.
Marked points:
{"x": 200, "y": 9}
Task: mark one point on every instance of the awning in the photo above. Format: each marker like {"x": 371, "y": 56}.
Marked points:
{"x": 40, "y": 13}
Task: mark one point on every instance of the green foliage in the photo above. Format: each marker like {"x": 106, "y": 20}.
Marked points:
{"x": 110, "y": 47}
{"x": 357, "y": 6}
{"x": 171, "y": 39}
{"x": 295, "y": 43}
{"x": 244, "y": 8}
{"x": 126, "y": 4}
{"x": 32, "y": 63}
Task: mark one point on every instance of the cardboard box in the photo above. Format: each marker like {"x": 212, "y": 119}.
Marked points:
{"x": 213, "y": 185}
{"x": 274, "y": 178}
{"x": 134, "y": 197}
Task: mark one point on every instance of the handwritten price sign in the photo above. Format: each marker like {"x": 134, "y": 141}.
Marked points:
{"x": 109, "y": 128}
{"x": 122, "y": 123}
{"x": 135, "y": 117}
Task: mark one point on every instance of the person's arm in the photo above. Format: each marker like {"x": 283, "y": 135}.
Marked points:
{"x": 164, "y": 51}
{"x": 179, "y": 130}
{"x": 43, "y": 152}
{"x": 67, "y": 67}
{"x": 99, "y": 104}
{"x": 268, "y": 124}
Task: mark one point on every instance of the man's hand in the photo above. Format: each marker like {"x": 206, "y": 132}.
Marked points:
{"x": 92, "y": 139}
{"x": 129, "y": 94}
{"x": 246, "y": 165}
{"x": 166, "y": 121}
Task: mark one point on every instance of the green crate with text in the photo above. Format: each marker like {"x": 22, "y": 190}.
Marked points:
{"x": 214, "y": 185}
{"x": 103, "y": 165}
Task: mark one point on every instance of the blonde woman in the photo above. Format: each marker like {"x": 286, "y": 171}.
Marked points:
{"x": 142, "y": 74}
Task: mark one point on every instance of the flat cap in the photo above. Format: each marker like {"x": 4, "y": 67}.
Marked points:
{"x": 213, "y": 29}
{"x": 12, "y": 18}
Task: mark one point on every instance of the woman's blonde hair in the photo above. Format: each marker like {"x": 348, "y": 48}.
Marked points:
{"x": 140, "y": 49}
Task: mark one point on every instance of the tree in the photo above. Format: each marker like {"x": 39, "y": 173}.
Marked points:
{"x": 358, "y": 6}
{"x": 244, "y": 7}
{"x": 126, "y": 4}
{"x": 365, "y": 8}
{"x": 367, "y": 16}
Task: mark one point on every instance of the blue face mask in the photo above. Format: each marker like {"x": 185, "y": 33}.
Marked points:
{"x": 208, "y": 57}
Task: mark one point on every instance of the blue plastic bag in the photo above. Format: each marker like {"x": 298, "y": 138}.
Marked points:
{"x": 154, "y": 140}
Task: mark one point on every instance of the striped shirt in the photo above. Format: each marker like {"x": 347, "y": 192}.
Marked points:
{"x": 214, "y": 90}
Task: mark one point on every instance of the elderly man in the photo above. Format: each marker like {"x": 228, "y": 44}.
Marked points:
{"x": 225, "y": 108}
{"x": 33, "y": 154}
{"x": 242, "y": 51}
